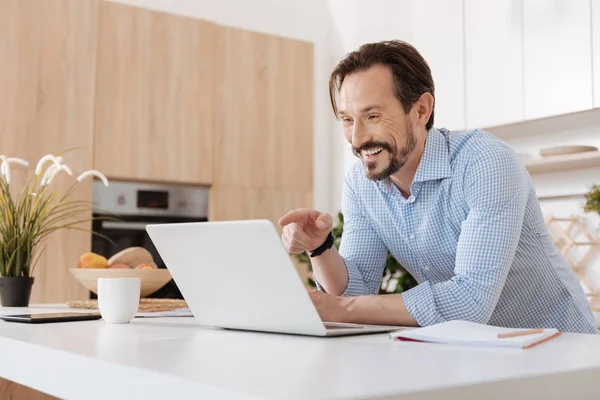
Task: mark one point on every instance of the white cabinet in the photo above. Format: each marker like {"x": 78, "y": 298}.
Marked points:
{"x": 596, "y": 50}
{"x": 493, "y": 62}
{"x": 557, "y": 57}
{"x": 438, "y": 36}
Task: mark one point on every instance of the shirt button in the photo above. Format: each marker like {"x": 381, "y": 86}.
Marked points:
{"x": 427, "y": 268}
{"x": 412, "y": 236}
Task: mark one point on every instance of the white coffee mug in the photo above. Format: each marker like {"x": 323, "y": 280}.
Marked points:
{"x": 118, "y": 299}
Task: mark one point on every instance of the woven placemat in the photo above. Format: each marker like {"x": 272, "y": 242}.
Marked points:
{"x": 146, "y": 305}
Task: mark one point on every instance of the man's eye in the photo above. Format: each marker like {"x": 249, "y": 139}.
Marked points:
{"x": 373, "y": 116}
{"x": 347, "y": 120}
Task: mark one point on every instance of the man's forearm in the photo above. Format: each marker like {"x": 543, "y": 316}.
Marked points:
{"x": 330, "y": 271}
{"x": 388, "y": 309}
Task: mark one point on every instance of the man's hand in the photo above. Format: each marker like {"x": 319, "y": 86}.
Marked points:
{"x": 330, "y": 307}
{"x": 304, "y": 229}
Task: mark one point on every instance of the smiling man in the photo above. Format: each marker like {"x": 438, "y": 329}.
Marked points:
{"x": 456, "y": 209}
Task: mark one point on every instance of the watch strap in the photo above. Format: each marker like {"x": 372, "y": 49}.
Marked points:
{"x": 324, "y": 247}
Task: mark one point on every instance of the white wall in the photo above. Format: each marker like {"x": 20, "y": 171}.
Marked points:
{"x": 308, "y": 20}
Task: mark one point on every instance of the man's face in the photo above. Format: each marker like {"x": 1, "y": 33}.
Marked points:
{"x": 374, "y": 122}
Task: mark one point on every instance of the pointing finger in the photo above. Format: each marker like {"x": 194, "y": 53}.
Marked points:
{"x": 297, "y": 215}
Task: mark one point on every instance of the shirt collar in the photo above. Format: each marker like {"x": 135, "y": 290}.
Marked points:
{"x": 434, "y": 164}
{"x": 435, "y": 161}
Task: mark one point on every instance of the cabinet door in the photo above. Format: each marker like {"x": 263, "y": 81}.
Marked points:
{"x": 493, "y": 62}
{"x": 264, "y": 111}
{"x": 557, "y": 57}
{"x": 596, "y": 50}
{"x": 154, "y": 96}
{"x": 48, "y": 53}
{"x": 438, "y": 36}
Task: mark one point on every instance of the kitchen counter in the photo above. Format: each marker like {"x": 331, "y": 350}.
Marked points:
{"x": 160, "y": 358}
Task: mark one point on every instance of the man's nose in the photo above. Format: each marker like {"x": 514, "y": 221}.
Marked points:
{"x": 360, "y": 136}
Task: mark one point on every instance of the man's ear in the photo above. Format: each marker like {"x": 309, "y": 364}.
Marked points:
{"x": 424, "y": 108}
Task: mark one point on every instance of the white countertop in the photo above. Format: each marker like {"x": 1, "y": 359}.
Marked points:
{"x": 161, "y": 358}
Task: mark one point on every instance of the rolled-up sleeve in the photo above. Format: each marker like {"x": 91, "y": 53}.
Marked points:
{"x": 496, "y": 190}
{"x": 361, "y": 249}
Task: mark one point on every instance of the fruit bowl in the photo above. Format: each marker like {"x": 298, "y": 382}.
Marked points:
{"x": 151, "y": 279}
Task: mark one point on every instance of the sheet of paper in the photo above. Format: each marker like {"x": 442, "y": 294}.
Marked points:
{"x": 470, "y": 333}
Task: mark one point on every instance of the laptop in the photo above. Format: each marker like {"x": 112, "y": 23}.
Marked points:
{"x": 238, "y": 275}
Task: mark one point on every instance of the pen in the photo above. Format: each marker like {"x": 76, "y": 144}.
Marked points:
{"x": 519, "y": 333}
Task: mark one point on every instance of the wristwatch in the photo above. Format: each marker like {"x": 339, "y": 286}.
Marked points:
{"x": 324, "y": 247}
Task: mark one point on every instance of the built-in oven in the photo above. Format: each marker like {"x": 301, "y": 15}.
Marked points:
{"x": 135, "y": 205}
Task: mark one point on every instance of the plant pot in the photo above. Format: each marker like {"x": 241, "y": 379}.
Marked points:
{"x": 15, "y": 291}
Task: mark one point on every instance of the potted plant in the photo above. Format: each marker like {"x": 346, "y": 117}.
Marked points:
{"x": 395, "y": 278}
{"x": 29, "y": 215}
{"x": 592, "y": 200}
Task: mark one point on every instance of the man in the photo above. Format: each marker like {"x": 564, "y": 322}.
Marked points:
{"x": 457, "y": 210}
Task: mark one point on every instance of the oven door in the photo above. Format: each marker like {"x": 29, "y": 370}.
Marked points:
{"x": 130, "y": 231}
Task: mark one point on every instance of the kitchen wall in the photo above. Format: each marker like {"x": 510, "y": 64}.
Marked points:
{"x": 308, "y": 20}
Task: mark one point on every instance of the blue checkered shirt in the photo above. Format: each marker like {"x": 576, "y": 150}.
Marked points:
{"x": 471, "y": 233}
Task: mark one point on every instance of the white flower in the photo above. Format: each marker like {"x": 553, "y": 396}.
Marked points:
{"x": 95, "y": 173}
{"x": 65, "y": 167}
{"x": 17, "y": 160}
{"x": 44, "y": 160}
{"x": 47, "y": 174}
{"x": 5, "y": 169}
{"x": 52, "y": 171}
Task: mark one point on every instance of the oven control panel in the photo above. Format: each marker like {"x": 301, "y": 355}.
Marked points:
{"x": 131, "y": 198}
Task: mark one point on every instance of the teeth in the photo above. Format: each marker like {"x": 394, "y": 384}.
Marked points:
{"x": 372, "y": 151}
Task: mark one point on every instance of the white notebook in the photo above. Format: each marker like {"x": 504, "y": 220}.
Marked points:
{"x": 471, "y": 333}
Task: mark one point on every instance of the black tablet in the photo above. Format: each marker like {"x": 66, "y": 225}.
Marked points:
{"x": 51, "y": 317}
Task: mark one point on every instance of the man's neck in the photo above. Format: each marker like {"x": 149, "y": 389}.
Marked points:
{"x": 404, "y": 177}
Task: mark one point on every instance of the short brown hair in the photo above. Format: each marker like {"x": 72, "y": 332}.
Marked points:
{"x": 412, "y": 76}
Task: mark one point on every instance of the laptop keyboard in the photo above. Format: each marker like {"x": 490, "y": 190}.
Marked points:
{"x": 343, "y": 326}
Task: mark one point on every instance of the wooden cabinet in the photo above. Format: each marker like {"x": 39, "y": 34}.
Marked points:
{"x": 48, "y": 56}
{"x": 557, "y": 57}
{"x": 252, "y": 203}
{"x": 263, "y": 115}
{"x": 154, "y": 96}
{"x": 12, "y": 390}
{"x": 439, "y": 37}
{"x": 493, "y": 62}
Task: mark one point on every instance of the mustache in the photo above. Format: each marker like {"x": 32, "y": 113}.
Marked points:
{"x": 371, "y": 145}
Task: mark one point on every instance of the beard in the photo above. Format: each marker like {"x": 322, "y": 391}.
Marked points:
{"x": 397, "y": 158}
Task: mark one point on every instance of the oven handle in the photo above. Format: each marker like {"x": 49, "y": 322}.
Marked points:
{"x": 135, "y": 226}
